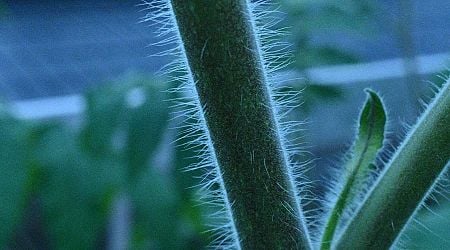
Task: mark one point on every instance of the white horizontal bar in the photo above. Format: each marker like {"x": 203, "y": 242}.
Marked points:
{"x": 50, "y": 107}
{"x": 376, "y": 71}
{"x": 341, "y": 74}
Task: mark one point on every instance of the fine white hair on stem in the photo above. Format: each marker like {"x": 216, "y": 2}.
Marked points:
{"x": 438, "y": 197}
{"x": 338, "y": 173}
{"x": 274, "y": 56}
{"x": 427, "y": 192}
{"x": 337, "y": 179}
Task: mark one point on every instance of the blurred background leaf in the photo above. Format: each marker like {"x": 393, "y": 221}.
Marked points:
{"x": 309, "y": 19}
{"x": 77, "y": 174}
{"x": 147, "y": 125}
{"x": 2, "y": 9}
{"x": 14, "y": 175}
{"x": 77, "y": 191}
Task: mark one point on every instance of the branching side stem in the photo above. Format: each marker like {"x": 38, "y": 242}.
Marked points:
{"x": 408, "y": 177}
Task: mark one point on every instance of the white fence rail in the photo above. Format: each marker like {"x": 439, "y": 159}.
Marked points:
{"x": 72, "y": 105}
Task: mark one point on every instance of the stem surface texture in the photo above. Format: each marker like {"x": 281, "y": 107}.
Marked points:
{"x": 225, "y": 62}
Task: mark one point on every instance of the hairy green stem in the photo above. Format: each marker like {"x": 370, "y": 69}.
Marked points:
{"x": 223, "y": 56}
{"x": 408, "y": 177}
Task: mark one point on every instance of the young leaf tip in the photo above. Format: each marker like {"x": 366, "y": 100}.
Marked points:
{"x": 373, "y": 119}
{"x": 374, "y": 99}
{"x": 407, "y": 178}
{"x": 358, "y": 169}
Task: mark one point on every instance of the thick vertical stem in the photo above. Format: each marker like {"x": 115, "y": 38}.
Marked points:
{"x": 223, "y": 57}
{"x": 409, "y": 175}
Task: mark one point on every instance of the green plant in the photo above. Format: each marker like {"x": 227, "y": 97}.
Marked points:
{"x": 60, "y": 184}
{"x": 309, "y": 19}
{"x": 14, "y": 178}
{"x": 2, "y": 9}
{"x": 407, "y": 179}
{"x": 360, "y": 163}
{"x": 228, "y": 53}
{"x": 242, "y": 133}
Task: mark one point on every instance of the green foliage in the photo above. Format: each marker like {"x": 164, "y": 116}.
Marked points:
{"x": 105, "y": 114}
{"x": 76, "y": 192}
{"x": 155, "y": 201}
{"x": 143, "y": 139}
{"x": 78, "y": 174}
{"x": 75, "y": 175}
{"x": 14, "y": 175}
{"x": 358, "y": 167}
{"x": 411, "y": 172}
{"x": 76, "y": 183}
{"x": 2, "y": 9}
{"x": 314, "y": 94}
{"x": 369, "y": 140}
{"x": 309, "y": 19}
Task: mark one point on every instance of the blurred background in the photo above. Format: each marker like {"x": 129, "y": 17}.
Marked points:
{"x": 87, "y": 153}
